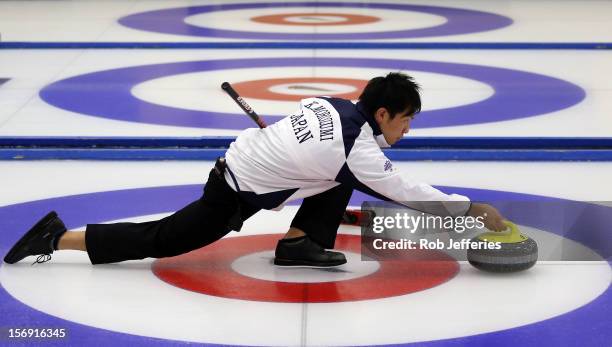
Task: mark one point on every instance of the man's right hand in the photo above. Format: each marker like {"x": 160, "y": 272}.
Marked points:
{"x": 492, "y": 219}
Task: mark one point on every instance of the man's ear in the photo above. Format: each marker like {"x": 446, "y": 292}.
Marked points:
{"x": 379, "y": 115}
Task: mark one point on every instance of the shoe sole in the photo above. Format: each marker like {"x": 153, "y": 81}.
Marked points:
{"x": 296, "y": 263}
{"x": 25, "y": 239}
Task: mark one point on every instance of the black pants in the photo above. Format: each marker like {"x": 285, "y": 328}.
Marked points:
{"x": 205, "y": 221}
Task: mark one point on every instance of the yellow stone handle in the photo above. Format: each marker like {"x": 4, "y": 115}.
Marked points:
{"x": 513, "y": 236}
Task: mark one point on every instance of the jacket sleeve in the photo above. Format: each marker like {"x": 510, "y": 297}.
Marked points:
{"x": 370, "y": 171}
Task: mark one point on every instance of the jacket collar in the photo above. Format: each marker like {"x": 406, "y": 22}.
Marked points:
{"x": 380, "y": 139}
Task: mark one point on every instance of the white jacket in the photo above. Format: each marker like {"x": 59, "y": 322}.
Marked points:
{"x": 328, "y": 141}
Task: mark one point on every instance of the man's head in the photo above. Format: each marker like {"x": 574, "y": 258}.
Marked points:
{"x": 393, "y": 101}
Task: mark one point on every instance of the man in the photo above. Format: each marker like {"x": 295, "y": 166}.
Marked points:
{"x": 321, "y": 153}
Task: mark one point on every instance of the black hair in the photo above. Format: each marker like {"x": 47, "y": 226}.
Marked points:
{"x": 396, "y": 92}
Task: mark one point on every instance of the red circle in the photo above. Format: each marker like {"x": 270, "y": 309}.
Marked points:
{"x": 260, "y": 89}
{"x": 208, "y": 270}
{"x": 349, "y": 19}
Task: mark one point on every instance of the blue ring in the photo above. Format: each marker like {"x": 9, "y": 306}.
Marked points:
{"x": 458, "y": 21}
{"x": 588, "y": 324}
{"x": 107, "y": 94}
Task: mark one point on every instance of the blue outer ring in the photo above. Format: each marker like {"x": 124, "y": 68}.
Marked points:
{"x": 458, "y": 21}
{"x": 107, "y": 94}
{"x": 585, "y": 326}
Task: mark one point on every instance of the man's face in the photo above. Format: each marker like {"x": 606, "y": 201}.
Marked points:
{"x": 393, "y": 128}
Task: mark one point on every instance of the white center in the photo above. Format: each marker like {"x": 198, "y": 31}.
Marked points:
{"x": 315, "y": 19}
{"x": 312, "y": 88}
{"x": 260, "y": 265}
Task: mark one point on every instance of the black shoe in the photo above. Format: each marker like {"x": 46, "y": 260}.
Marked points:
{"x": 302, "y": 251}
{"x": 38, "y": 240}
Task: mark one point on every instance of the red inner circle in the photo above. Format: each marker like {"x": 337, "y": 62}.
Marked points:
{"x": 260, "y": 89}
{"x": 283, "y": 19}
{"x": 208, "y": 271}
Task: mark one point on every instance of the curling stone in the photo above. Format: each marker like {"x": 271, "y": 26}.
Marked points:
{"x": 518, "y": 252}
